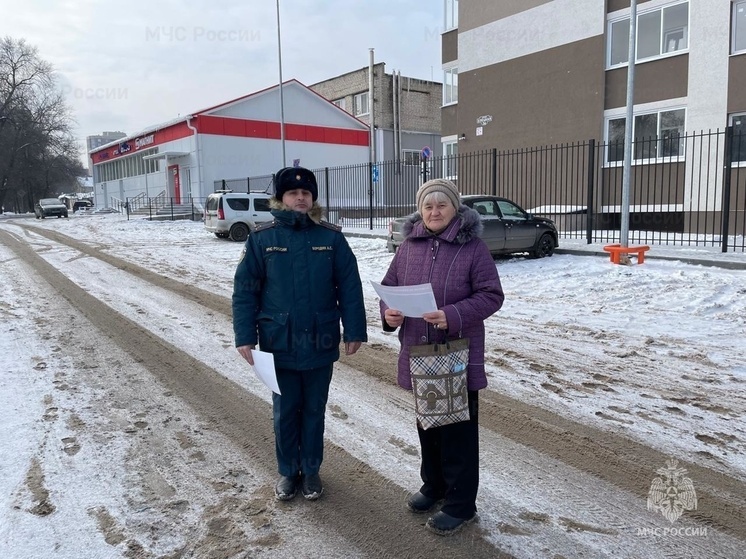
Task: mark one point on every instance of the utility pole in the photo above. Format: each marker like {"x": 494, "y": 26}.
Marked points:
{"x": 282, "y": 98}
{"x": 628, "y": 125}
{"x": 371, "y": 107}
{"x": 372, "y": 168}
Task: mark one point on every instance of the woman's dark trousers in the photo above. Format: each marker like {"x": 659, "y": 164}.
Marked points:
{"x": 450, "y": 463}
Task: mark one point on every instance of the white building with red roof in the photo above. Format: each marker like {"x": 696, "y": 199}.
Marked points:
{"x": 184, "y": 158}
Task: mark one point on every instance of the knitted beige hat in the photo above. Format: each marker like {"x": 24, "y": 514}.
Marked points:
{"x": 438, "y": 185}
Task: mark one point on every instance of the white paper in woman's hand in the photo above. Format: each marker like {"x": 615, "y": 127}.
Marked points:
{"x": 411, "y": 300}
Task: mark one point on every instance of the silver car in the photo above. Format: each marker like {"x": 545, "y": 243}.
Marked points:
{"x": 49, "y": 207}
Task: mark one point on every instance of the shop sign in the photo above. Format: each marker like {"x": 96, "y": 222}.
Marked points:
{"x": 144, "y": 141}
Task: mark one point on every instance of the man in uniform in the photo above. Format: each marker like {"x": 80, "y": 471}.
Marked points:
{"x": 296, "y": 279}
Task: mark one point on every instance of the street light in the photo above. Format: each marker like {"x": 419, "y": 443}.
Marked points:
{"x": 282, "y": 99}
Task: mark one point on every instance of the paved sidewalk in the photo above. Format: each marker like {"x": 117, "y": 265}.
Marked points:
{"x": 699, "y": 255}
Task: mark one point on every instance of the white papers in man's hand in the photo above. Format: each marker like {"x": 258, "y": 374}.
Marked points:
{"x": 264, "y": 365}
{"x": 411, "y": 300}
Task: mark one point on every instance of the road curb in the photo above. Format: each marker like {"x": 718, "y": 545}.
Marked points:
{"x": 726, "y": 264}
{"x": 652, "y": 256}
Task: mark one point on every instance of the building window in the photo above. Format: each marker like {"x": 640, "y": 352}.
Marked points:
{"x": 450, "y": 86}
{"x": 410, "y": 157}
{"x": 450, "y": 160}
{"x": 656, "y": 135}
{"x": 451, "y": 14}
{"x": 660, "y": 32}
{"x": 619, "y": 42}
{"x": 739, "y": 27}
{"x": 360, "y": 104}
{"x": 738, "y": 149}
{"x": 340, "y": 103}
{"x": 151, "y": 164}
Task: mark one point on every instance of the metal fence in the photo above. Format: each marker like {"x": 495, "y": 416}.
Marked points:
{"x": 257, "y": 184}
{"x": 161, "y": 207}
{"x": 684, "y": 189}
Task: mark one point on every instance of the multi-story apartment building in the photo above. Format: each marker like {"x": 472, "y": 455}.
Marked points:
{"x": 406, "y": 111}
{"x": 525, "y": 73}
{"x": 540, "y": 72}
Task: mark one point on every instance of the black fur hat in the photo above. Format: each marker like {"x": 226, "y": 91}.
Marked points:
{"x": 290, "y": 178}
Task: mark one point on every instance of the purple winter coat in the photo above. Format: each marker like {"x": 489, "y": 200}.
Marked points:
{"x": 465, "y": 281}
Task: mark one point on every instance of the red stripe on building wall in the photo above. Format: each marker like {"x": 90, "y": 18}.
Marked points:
{"x": 169, "y": 134}
{"x": 295, "y": 132}
{"x": 271, "y": 130}
{"x": 236, "y": 127}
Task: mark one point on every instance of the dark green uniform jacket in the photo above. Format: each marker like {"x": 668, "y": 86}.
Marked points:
{"x": 295, "y": 281}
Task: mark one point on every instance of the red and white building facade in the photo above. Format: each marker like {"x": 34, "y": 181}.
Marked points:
{"x": 182, "y": 159}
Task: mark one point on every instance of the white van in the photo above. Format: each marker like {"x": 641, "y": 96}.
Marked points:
{"x": 231, "y": 214}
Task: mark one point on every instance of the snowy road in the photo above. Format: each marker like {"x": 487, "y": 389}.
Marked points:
{"x": 586, "y": 401}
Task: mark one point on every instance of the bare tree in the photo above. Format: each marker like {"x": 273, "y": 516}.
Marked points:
{"x": 38, "y": 156}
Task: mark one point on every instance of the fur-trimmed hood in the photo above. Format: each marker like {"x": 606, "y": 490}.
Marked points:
{"x": 465, "y": 226}
{"x": 316, "y": 213}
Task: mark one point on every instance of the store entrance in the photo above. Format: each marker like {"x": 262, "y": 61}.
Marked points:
{"x": 174, "y": 185}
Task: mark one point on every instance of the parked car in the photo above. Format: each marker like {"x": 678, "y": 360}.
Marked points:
{"x": 508, "y": 228}
{"x": 48, "y": 207}
{"x": 231, "y": 214}
{"x": 82, "y": 204}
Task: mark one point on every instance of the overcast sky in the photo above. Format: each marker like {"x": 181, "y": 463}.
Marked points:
{"x": 128, "y": 65}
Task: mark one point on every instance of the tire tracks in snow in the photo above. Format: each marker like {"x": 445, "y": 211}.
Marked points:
{"x": 359, "y": 502}
{"x": 613, "y": 458}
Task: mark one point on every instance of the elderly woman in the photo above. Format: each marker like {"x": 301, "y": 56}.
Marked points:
{"x": 442, "y": 247}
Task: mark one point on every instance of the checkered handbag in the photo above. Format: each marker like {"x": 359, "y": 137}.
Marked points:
{"x": 439, "y": 382}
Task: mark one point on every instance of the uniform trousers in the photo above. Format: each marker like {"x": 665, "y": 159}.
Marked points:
{"x": 450, "y": 463}
{"x": 299, "y": 419}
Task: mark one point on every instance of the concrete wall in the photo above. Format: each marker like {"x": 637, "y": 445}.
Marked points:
{"x": 420, "y": 102}
{"x": 226, "y": 157}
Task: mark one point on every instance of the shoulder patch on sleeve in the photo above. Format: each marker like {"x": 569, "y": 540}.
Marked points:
{"x": 331, "y": 226}
{"x": 263, "y": 226}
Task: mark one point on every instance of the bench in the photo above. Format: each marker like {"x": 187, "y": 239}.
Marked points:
{"x": 616, "y": 250}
